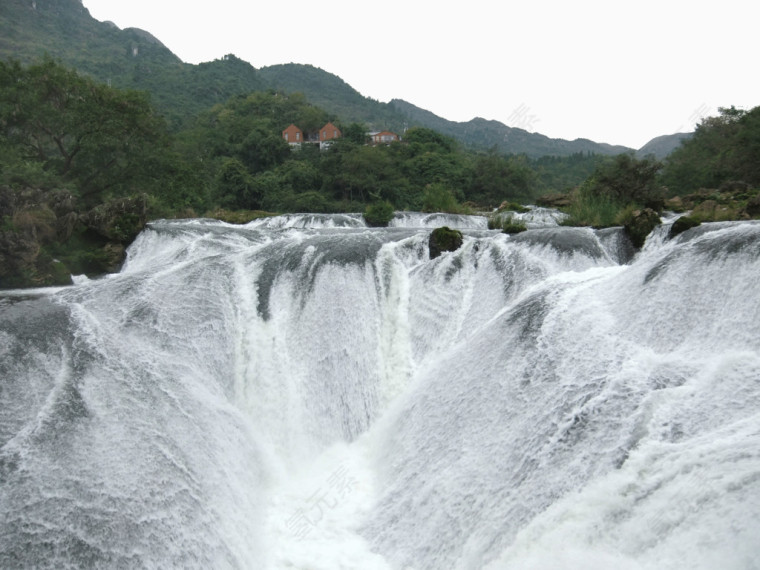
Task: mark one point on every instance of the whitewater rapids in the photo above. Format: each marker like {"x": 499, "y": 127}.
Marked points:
{"x": 306, "y": 392}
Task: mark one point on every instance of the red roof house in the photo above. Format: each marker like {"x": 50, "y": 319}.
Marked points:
{"x": 384, "y": 137}
{"x": 293, "y": 135}
{"x": 329, "y": 132}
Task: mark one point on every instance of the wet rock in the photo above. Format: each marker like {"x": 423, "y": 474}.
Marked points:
{"x": 682, "y": 224}
{"x": 444, "y": 239}
{"x": 752, "y": 209}
{"x": 119, "y": 220}
{"x": 640, "y": 225}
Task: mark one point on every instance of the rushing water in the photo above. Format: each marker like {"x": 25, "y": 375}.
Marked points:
{"x": 305, "y": 392}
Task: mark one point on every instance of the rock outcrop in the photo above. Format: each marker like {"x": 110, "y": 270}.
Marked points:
{"x": 444, "y": 239}
{"x": 640, "y": 225}
{"x": 44, "y": 238}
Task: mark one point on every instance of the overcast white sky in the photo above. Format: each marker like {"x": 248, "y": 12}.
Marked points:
{"x": 613, "y": 72}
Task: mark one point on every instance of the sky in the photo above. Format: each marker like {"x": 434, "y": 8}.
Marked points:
{"x": 615, "y": 72}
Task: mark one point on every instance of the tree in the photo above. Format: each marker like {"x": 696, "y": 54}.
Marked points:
{"x": 429, "y": 140}
{"x": 497, "y": 178}
{"x": 723, "y": 148}
{"x": 438, "y": 197}
{"x": 95, "y": 137}
{"x": 235, "y": 186}
{"x": 355, "y": 133}
{"x": 627, "y": 179}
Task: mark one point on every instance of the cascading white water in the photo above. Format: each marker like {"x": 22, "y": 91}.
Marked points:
{"x": 280, "y": 395}
{"x": 534, "y": 217}
{"x": 422, "y": 220}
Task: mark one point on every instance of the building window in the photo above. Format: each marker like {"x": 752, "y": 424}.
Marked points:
{"x": 286, "y": 136}
{"x": 298, "y": 136}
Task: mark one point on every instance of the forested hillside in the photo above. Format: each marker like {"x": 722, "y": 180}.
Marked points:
{"x": 481, "y": 133}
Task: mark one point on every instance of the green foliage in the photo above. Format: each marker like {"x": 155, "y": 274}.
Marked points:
{"x": 617, "y": 187}
{"x": 83, "y": 254}
{"x": 310, "y": 202}
{"x": 355, "y": 133}
{"x": 589, "y": 208}
{"x": 438, "y": 197}
{"x": 235, "y": 186}
{"x": 507, "y": 225}
{"x": 378, "y": 214}
{"x": 428, "y": 140}
{"x": 68, "y": 130}
{"x": 626, "y": 179}
{"x": 497, "y": 178}
{"x": 723, "y": 148}
{"x": 6, "y": 224}
{"x": 561, "y": 174}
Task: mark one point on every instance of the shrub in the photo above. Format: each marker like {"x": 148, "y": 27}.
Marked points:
{"x": 312, "y": 202}
{"x": 513, "y": 227}
{"x": 589, "y": 208}
{"x": 507, "y": 225}
{"x": 378, "y": 214}
{"x": 439, "y": 198}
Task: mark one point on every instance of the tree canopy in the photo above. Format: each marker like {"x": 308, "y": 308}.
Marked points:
{"x": 724, "y": 148}
{"x": 95, "y": 140}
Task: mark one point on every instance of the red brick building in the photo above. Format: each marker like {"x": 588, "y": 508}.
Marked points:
{"x": 293, "y": 135}
{"x": 384, "y": 137}
{"x": 329, "y": 132}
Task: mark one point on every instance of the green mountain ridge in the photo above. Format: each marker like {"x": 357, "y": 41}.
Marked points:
{"x": 489, "y": 133}
{"x": 133, "y": 58}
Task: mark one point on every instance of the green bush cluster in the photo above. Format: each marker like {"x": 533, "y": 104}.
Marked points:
{"x": 378, "y": 214}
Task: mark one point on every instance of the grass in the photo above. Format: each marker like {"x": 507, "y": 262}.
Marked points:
{"x": 592, "y": 210}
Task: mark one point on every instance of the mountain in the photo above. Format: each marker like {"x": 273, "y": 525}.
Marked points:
{"x": 483, "y": 133}
{"x": 133, "y": 58}
{"x": 331, "y": 93}
{"x": 129, "y": 58}
{"x": 662, "y": 146}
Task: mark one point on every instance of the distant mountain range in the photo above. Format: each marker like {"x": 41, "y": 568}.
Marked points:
{"x": 133, "y": 58}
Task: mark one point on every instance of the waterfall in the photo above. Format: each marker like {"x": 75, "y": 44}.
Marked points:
{"x": 307, "y": 392}
{"x": 534, "y": 217}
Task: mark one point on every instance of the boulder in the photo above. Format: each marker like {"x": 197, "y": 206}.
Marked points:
{"x": 675, "y": 204}
{"x": 682, "y": 224}
{"x": 752, "y": 209}
{"x": 119, "y": 220}
{"x": 640, "y": 225}
{"x": 555, "y": 200}
{"x": 444, "y": 239}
